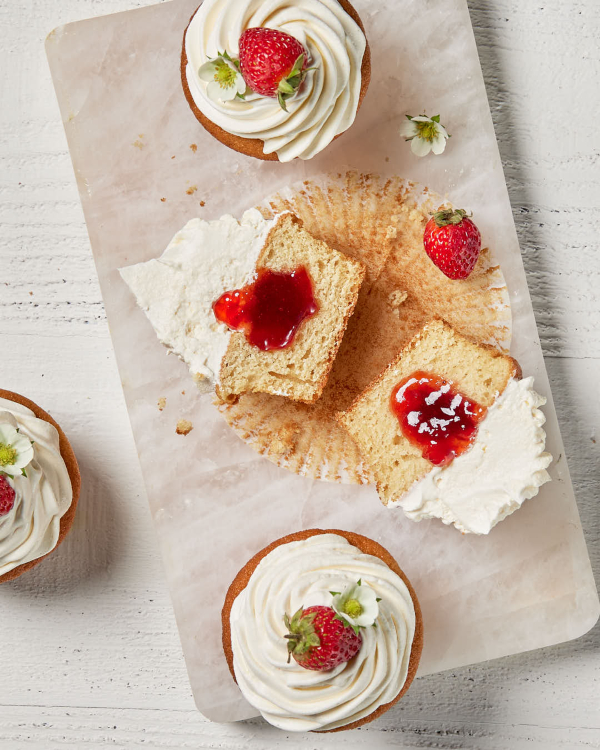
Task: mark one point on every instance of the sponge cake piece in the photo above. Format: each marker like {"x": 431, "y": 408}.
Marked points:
{"x": 478, "y": 371}
{"x": 299, "y": 371}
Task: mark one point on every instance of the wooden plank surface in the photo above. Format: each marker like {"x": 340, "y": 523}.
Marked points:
{"x": 90, "y": 656}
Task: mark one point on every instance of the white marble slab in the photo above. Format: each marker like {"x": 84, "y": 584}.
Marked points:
{"x": 213, "y": 500}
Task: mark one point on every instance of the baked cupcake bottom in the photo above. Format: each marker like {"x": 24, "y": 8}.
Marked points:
{"x": 368, "y": 547}
{"x": 72, "y": 468}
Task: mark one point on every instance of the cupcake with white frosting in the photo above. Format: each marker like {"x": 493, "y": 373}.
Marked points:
{"x": 275, "y": 80}
{"x": 39, "y": 485}
{"x": 322, "y": 631}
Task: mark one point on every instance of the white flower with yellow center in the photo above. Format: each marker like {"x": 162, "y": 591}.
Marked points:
{"x": 16, "y": 450}
{"x": 358, "y": 605}
{"x": 225, "y": 81}
{"x": 425, "y": 134}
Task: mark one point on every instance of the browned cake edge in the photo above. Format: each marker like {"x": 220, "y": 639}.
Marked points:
{"x": 71, "y": 462}
{"x": 364, "y": 544}
{"x": 254, "y": 146}
{"x": 232, "y": 398}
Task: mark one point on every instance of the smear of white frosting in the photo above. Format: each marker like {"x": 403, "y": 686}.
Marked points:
{"x": 505, "y": 466}
{"x": 31, "y": 529}
{"x": 302, "y": 574}
{"x": 327, "y": 103}
{"x": 177, "y": 290}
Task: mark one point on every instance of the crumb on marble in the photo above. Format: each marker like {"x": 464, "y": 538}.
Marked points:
{"x": 138, "y": 144}
{"x": 387, "y": 158}
{"x": 184, "y": 427}
{"x": 162, "y": 402}
{"x": 172, "y": 157}
{"x": 202, "y": 204}
{"x": 193, "y": 147}
{"x": 192, "y": 189}
{"x": 183, "y": 393}
{"x": 163, "y": 200}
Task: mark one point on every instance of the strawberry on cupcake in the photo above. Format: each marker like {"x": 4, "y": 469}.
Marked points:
{"x": 273, "y": 84}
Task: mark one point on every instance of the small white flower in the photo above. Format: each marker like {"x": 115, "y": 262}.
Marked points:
{"x": 358, "y": 605}
{"x": 225, "y": 81}
{"x": 16, "y": 450}
{"x": 425, "y": 134}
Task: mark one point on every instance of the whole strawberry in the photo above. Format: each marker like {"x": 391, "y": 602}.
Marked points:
{"x": 272, "y": 63}
{"x": 7, "y": 496}
{"x": 319, "y": 639}
{"x": 453, "y": 242}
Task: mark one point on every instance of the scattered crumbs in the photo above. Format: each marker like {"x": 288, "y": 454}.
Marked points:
{"x": 199, "y": 377}
{"x": 140, "y": 135}
{"x": 162, "y": 402}
{"x": 163, "y": 200}
{"x": 387, "y": 158}
{"x": 138, "y": 144}
{"x": 172, "y": 157}
{"x": 31, "y": 294}
{"x": 184, "y": 427}
{"x": 193, "y": 147}
{"x": 192, "y": 189}
{"x": 202, "y": 204}
{"x": 183, "y": 393}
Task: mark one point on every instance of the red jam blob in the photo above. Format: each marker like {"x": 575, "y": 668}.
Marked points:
{"x": 270, "y": 310}
{"x": 435, "y": 417}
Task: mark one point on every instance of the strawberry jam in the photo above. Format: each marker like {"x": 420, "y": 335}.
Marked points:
{"x": 439, "y": 420}
{"x": 270, "y": 310}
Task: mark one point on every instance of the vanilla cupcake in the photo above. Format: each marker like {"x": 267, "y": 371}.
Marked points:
{"x": 322, "y": 631}
{"x": 317, "y": 102}
{"x": 39, "y": 485}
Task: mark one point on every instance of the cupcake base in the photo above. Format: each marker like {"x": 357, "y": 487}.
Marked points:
{"x": 73, "y": 469}
{"x": 364, "y": 544}
{"x": 255, "y": 146}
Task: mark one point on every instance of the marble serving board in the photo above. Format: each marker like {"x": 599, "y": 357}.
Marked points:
{"x": 144, "y": 166}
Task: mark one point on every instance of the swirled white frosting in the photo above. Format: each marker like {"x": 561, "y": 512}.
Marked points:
{"x": 505, "y": 466}
{"x": 303, "y": 574}
{"x": 31, "y": 529}
{"x": 177, "y": 290}
{"x": 327, "y": 103}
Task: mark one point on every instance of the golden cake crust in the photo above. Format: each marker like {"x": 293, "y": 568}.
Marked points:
{"x": 364, "y": 544}
{"x": 254, "y": 146}
{"x": 73, "y": 469}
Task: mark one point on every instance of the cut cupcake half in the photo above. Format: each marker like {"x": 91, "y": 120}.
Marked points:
{"x": 251, "y": 306}
{"x": 451, "y": 431}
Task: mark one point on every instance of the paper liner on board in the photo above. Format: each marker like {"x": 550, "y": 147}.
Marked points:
{"x": 380, "y": 221}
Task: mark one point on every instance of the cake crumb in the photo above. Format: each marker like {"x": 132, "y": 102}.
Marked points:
{"x": 396, "y": 298}
{"x": 138, "y": 144}
{"x": 183, "y": 393}
{"x": 202, "y": 204}
{"x": 193, "y": 147}
{"x": 391, "y": 233}
{"x": 163, "y": 200}
{"x": 184, "y": 427}
{"x": 162, "y": 402}
{"x": 191, "y": 190}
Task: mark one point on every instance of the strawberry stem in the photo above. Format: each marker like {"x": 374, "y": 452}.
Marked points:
{"x": 449, "y": 216}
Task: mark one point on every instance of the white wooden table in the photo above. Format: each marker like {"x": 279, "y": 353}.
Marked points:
{"x": 89, "y": 651}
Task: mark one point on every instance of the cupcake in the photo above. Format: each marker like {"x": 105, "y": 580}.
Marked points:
{"x": 275, "y": 80}
{"x": 322, "y": 631}
{"x": 39, "y": 485}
